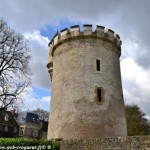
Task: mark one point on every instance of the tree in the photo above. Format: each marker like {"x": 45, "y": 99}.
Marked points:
{"x": 137, "y": 124}
{"x": 14, "y": 66}
{"x": 43, "y": 114}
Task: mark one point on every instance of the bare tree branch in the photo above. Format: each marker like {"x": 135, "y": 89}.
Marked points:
{"x": 43, "y": 114}
{"x": 14, "y": 66}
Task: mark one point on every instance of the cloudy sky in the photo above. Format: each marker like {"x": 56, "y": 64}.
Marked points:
{"x": 38, "y": 21}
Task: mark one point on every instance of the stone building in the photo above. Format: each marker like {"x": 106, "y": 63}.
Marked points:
{"x": 87, "y": 98}
{"x": 8, "y": 124}
{"x": 29, "y": 124}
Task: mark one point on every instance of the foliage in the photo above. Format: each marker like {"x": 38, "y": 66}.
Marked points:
{"x": 137, "y": 124}
{"x": 28, "y": 142}
{"x": 14, "y": 65}
{"x": 43, "y": 114}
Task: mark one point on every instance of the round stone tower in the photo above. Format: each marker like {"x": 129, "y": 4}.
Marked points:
{"x": 87, "y": 98}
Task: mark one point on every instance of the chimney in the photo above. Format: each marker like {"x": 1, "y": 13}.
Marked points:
{"x": 13, "y": 112}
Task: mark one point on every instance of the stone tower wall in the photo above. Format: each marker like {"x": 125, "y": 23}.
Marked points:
{"x": 75, "y": 109}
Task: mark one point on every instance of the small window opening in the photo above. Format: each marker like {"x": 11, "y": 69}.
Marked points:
{"x": 6, "y": 128}
{"x": 99, "y": 95}
{"x": 6, "y": 117}
{"x": 21, "y": 131}
{"x": 15, "y": 129}
{"x": 97, "y": 64}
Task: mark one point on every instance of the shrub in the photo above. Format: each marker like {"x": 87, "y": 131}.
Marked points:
{"x": 23, "y": 143}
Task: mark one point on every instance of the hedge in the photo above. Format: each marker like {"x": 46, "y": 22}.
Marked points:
{"x": 27, "y": 144}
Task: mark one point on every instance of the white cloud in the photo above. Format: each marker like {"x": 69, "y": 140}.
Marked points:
{"x": 129, "y": 68}
{"x": 136, "y": 84}
{"x": 132, "y": 71}
{"x": 39, "y": 49}
{"x": 27, "y": 15}
{"x": 32, "y": 101}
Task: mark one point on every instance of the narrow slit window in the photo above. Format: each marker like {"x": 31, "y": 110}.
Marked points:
{"x": 99, "y": 95}
{"x": 97, "y": 64}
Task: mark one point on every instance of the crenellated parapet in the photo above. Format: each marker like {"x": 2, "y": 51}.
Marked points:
{"x": 74, "y": 32}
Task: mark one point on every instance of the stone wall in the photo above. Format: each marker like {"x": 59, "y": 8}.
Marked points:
{"x": 120, "y": 143}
